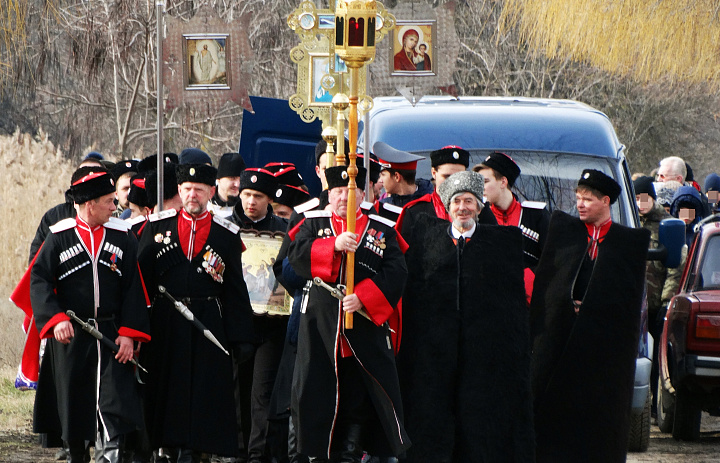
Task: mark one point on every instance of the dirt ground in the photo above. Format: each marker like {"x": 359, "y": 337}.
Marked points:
{"x": 22, "y": 447}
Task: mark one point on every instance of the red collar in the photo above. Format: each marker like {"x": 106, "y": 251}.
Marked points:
{"x": 439, "y": 206}
{"x": 193, "y": 232}
{"x": 90, "y": 236}
{"x": 509, "y": 217}
{"x": 596, "y": 235}
{"x": 340, "y": 225}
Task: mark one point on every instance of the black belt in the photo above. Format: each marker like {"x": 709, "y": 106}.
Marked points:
{"x": 190, "y": 300}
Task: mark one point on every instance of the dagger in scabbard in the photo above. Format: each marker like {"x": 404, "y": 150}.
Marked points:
{"x": 189, "y": 316}
{"x": 100, "y": 337}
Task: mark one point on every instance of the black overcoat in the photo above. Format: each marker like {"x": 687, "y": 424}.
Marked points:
{"x": 380, "y": 274}
{"x": 190, "y": 401}
{"x": 584, "y": 364}
{"x": 82, "y": 378}
{"x": 464, "y": 363}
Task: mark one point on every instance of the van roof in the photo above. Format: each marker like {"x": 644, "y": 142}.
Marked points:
{"x": 493, "y": 123}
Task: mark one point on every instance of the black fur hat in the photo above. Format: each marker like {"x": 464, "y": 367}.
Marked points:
{"x": 450, "y": 155}
{"x": 90, "y": 183}
{"x": 260, "y": 180}
{"x": 337, "y": 176}
{"x": 601, "y": 182}
{"x": 198, "y": 173}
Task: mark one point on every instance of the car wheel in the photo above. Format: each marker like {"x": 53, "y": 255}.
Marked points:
{"x": 640, "y": 428}
{"x": 687, "y": 417}
{"x": 665, "y": 408}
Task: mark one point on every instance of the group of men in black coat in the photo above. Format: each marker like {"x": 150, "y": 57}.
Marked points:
{"x": 460, "y": 387}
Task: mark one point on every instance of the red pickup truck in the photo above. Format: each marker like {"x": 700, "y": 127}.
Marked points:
{"x": 689, "y": 351}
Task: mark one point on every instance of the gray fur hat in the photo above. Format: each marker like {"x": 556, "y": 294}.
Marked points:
{"x": 461, "y": 182}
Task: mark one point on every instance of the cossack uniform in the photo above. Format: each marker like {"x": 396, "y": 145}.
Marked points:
{"x": 325, "y": 385}
{"x": 190, "y": 401}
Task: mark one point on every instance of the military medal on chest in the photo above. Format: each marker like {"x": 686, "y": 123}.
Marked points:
{"x": 375, "y": 241}
{"x": 213, "y": 264}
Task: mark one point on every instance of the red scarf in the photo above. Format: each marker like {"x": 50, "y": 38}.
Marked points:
{"x": 439, "y": 206}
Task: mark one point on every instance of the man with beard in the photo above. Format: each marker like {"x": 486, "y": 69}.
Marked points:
{"x": 87, "y": 392}
{"x": 585, "y": 321}
{"x": 464, "y": 361}
{"x": 230, "y": 167}
{"x": 346, "y": 397}
{"x": 190, "y": 404}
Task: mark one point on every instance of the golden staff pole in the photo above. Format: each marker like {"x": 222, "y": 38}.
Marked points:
{"x": 352, "y": 185}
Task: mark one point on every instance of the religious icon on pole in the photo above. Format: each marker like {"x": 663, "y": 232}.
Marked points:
{"x": 413, "y": 48}
{"x": 206, "y": 63}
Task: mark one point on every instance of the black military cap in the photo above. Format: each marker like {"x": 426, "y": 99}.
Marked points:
{"x": 194, "y": 156}
{"x": 375, "y": 166}
{"x": 197, "y": 173}
{"x": 230, "y": 165}
{"x": 170, "y": 183}
{"x": 321, "y": 148}
{"x": 504, "y": 164}
{"x": 150, "y": 162}
{"x": 337, "y": 176}
{"x": 285, "y": 173}
{"x": 291, "y": 196}
{"x": 123, "y": 167}
{"x": 450, "y": 154}
{"x": 137, "y": 193}
{"x": 260, "y": 180}
{"x": 91, "y": 182}
{"x": 599, "y": 181}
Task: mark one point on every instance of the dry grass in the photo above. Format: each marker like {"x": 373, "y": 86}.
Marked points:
{"x": 35, "y": 177}
{"x": 15, "y": 406}
{"x": 646, "y": 39}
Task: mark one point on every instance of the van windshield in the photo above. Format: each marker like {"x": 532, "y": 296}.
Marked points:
{"x": 549, "y": 177}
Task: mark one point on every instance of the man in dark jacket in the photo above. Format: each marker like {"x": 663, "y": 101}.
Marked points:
{"x": 662, "y": 282}
{"x": 346, "y": 396}
{"x": 87, "y": 392}
{"x": 687, "y": 205}
{"x": 585, "y": 322}
{"x": 398, "y": 175}
{"x": 464, "y": 361}
{"x": 195, "y": 256}
{"x": 255, "y": 378}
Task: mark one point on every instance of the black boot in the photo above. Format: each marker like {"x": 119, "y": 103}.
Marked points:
{"x": 77, "y": 452}
{"x": 352, "y": 451}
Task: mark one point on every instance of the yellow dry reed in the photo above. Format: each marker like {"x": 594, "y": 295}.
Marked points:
{"x": 645, "y": 39}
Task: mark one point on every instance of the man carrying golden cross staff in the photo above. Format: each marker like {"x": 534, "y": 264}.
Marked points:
{"x": 345, "y": 394}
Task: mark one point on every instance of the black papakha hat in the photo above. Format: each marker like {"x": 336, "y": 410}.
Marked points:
{"x": 291, "y": 196}
{"x": 375, "y": 166}
{"x": 450, "y": 154}
{"x": 150, "y": 162}
{"x": 170, "y": 183}
{"x": 260, "y": 180}
{"x": 285, "y": 173}
{"x": 194, "y": 156}
{"x": 197, "y": 173}
{"x": 123, "y": 167}
{"x": 599, "y": 181}
{"x": 503, "y": 164}
{"x": 230, "y": 165}
{"x": 137, "y": 194}
{"x": 321, "y": 148}
{"x": 337, "y": 176}
{"x": 91, "y": 182}
{"x": 645, "y": 185}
